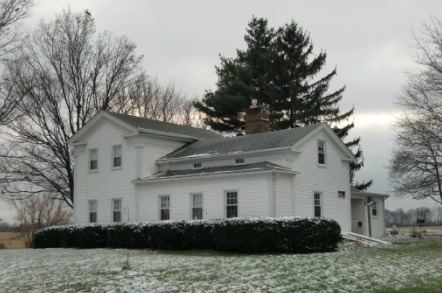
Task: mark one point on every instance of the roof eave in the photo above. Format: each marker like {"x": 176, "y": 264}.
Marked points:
{"x": 181, "y": 137}
{"x": 215, "y": 174}
{"x": 220, "y": 156}
{"x": 75, "y": 138}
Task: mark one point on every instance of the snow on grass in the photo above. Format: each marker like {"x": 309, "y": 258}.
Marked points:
{"x": 105, "y": 270}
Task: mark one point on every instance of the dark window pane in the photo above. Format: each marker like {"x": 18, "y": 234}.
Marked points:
{"x": 164, "y": 214}
{"x": 232, "y": 211}
{"x": 93, "y": 217}
{"x": 94, "y": 164}
{"x": 117, "y": 216}
{"x": 317, "y": 211}
{"x": 197, "y": 213}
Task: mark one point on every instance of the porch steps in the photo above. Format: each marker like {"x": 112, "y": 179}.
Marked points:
{"x": 362, "y": 238}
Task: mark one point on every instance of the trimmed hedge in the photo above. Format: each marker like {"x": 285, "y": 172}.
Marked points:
{"x": 238, "y": 235}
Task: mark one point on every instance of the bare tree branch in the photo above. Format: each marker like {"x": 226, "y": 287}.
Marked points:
{"x": 64, "y": 75}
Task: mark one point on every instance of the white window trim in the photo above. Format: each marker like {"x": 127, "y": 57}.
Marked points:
{"x": 375, "y": 205}
{"x": 191, "y": 204}
{"x": 159, "y": 206}
{"x": 90, "y": 211}
{"x": 325, "y": 153}
{"x": 320, "y": 203}
{"x": 225, "y": 203}
{"x": 240, "y": 159}
{"x": 90, "y": 160}
{"x": 113, "y": 210}
{"x": 113, "y": 157}
{"x": 197, "y": 165}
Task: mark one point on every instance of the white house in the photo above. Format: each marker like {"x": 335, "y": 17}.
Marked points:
{"x": 131, "y": 169}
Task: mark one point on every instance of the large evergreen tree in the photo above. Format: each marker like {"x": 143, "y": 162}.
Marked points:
{"x": 278, "y": 68}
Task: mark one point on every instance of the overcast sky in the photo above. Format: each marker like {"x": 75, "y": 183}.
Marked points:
{"x": 370, "y": 43}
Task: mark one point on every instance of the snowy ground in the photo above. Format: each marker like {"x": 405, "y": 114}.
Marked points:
{"x": 103, "y": 270}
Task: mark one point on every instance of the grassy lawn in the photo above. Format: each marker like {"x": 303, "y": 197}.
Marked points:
{"x": 415, "y": 267}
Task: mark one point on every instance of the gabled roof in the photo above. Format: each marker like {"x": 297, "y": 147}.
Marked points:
{"x": 136, "y": 125}
{"x": 160, "y": 126}
{"x": 252, "y": 143}
{"x": 217, "y": 170}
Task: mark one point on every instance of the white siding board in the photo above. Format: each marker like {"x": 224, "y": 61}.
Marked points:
{"x": 283, "y": 189}
{"x": 327, "y": 179}
{"x": 251, "y": 200}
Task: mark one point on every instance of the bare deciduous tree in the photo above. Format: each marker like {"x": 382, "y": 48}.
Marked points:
{"x": 148, "y": 98}
{"x": 416, "y": 166}
{"x": 63, "y": 76}
{"x": 38, "y": 212}
{"x": 11, "y": 38}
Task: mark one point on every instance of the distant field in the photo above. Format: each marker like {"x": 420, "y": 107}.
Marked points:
{"x": 424, "y": 231}
{"x": 409, "y": 268}
{"x": 11, "y": 240}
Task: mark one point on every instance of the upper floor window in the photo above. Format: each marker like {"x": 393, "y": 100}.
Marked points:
{"x": 93, "y": 159}
{"x": 374, "y": 209}
{"x": 116, "y": 210}
{"x": 197, "y": 206}
{"x": 341, "y": 194}
{"x": 239, "y": 161}
{"x": 197, "y": 165}
{"x": 92, "y": 211}
{"x": 164, "y": 207}
{"x": 317, "y": 204}
{"x": 231, "y": 204}
{"x": 116, "y": 156}
{"x": 321, "y": 152}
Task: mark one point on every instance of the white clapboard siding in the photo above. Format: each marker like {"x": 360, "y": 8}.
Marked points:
{"x": 106, "y": 183}
{"x": 252, "y": 201}
{"x": 328, "y": 180}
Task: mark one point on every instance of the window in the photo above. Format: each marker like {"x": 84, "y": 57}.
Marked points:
{"x": 92, "y": 211}
{"x": 374, "y": 209}
{"x": 321, "y": 152}
{"x": 164, "y": 208}
{"x": 197, "y": 165}
{"x": 231, "y": 204}
{"x": 93, "y": 159}
{"x": 197, "y": 206}
{"x": 116, "y": 156}
{"x": 116, "y": 210}
{"x": 239, "y": 161}
{"x": 341, "y": 194}
{"x": 317, "y": 204}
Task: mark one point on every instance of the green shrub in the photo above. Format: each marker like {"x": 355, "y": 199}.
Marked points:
{"x": 93, "y": 236}
{"x": 54, "y": 237}
{"x": 167, "y": 235}
{"x": 276, "y": 235}
{"x": 125, "y": 236}
{"x": 239, "y": 234}
{"x": 198, "y": 234}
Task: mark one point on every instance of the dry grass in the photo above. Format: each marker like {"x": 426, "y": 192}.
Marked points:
{"x": 11, "y": 240}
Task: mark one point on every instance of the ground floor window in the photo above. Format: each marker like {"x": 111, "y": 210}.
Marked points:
{"x": 164, "y": 207}
{"x": 197, "y": 206}
{"x": 317, "y": 204}
{"x": 92, "y": 211}
{"x": 231, "y": 204}
{"x": 116, "y": 210}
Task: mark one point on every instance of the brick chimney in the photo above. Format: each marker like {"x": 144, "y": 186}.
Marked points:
{"x": 257, "y": 118}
